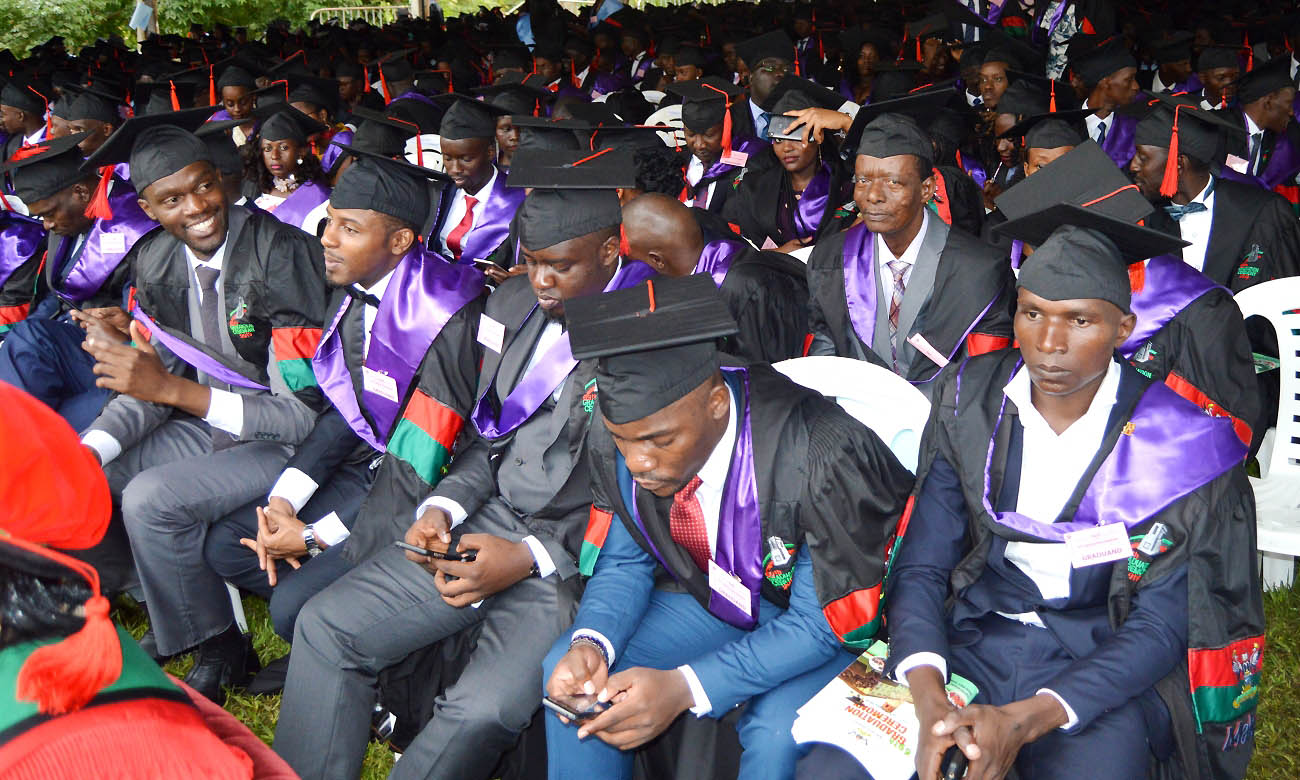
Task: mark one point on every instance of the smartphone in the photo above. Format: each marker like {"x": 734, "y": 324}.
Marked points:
{"x": 779, "y": 129}
{"x": 577, "y": 709}
{"x": 463, "y": 557}
{"x": 484, "y": 265}
{"x": 954, "y": 764}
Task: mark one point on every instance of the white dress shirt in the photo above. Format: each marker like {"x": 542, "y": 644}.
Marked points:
{"x": 35, "y": 137}
{"x": 713, "y": 477}
{"x": 695, "y": 172}
{"x": 636, "y": 63}
{"x": 884, "y": 256}
{"x": 1254, "y": 138}
{"x": 456, "y": 211}
{"x": 1156, "y": 84}
{"x": 1094, "y": 125}
{"x": 1195, "y": 228}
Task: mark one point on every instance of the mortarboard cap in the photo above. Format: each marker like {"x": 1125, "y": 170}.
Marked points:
{"x": 653, "y": 343}
{"x": 27, "y": 94}
{"x": 375, "y": 182}
{"x": 235, "y": 76}
{"x": 578, "y": 170}
{"x": 690, "y": 55}
{"x": 632, "y": 137}
{"x": 282, "y": 122}
{"x": 1097, "y": 63}
{"x": 1265, "y": 80}
{"x": 890, "y": 135}
{"x": 322, "y": 93}
{"x": 225, "y": 155}
{"x": 1176, "y": 48}
{"x": 1076, "y": 263}
{"x": 549, "y": 217}
{"x": 1218, "y": 56}
{"x": 1133, "y": 242}
{"x": 1180, "y": 125}
{"x": 46, "y": 168}
{"x": 1050, "y": 131}
{"x": 773, "y": 45}
{"x": 919, "y": 105}
{"x": 92, "y": 104}
{"x": 1022, "y": 99}
{"x": 932, "y": 26}
{"x": 799, "y": 93}
{"x": 156, "y": 145}
{"x": 469, "y": 118}
{"x": 1079, "y": 178}
{"x": 539, "y": 132}
{"x": 704, "y": 102}
{"x": 630, "y": 105}
{"x": 516, "y": 95}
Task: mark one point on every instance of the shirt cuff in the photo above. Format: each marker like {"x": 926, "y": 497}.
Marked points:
{"x": 295, "y": 487}
{"x": 330, "y": 529}
{"x": 103, "y": 444}
{"x": 454, "y": 510}
{"x": 545, "y": 564}
{"x": 702, "y": 704}
{"x": 849, "y": 108}
{"x": 598, "y": 638}
{"x": 226, "y": 411}
{"x": 916, "y": 660}
{"x": 1072, "y": 720}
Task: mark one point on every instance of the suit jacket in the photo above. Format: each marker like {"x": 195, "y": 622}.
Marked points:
{"x": 488, "y": 231}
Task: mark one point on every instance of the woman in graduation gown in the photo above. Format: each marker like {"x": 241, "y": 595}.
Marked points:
{"x": 286, "y": 177}
{"x": 863, "y": 51}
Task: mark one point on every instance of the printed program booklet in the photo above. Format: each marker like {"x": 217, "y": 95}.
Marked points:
{"x": 871, "y": 716}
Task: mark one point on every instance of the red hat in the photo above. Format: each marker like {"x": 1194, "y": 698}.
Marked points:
{"x": 53, "y": 495}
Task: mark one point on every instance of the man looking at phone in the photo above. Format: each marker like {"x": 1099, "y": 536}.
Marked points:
{"x": 517, "y": 496}
{"x": 776, "y": 566}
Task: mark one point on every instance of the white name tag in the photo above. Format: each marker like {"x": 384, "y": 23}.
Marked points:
{"x": 1102, "y": 544}
{"x": 380, "y": 384}
{"x": 730, "y": 588}
{"x": 735, "y": 158}
{"x": 491, "y": 333}
{"x": 112, "y": 243}
{"x": 923, "y": 346}
{"x": 1237, "y": 164}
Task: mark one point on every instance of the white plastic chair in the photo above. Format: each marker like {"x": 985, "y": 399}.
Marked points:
{"x": 1277, "y": 491}
{"x": 877, "y": 397}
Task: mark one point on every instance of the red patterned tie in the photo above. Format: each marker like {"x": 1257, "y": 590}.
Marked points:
{"x": 686, "y": 524}
{"x": 457, "y": 235}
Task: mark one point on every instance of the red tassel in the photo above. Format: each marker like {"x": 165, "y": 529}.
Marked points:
{"x": 918, "y": 49}
{"x": 48, "y": 116}
{"x": 796, "y": 62}
{"x": 1137, "y": 277}
{"x": 626, "y": 251}
{"x": 573, "y": 75}
{"x": 726, "y": 115}
{"x": 176, "y": 104}
{"x": 1052, "y": 106}
{"x": 1250, "y": 54}
{"x": 99, "y": 207}
{"x": 419, "y": 147}
{"x": 212, "y": 88}
{"x": 62, "y": 677}
{"x": 383, "y": 84}
{"x": 1169, "y": 184}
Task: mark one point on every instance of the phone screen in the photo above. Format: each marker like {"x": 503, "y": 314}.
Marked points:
{"x": 575, "y": 708}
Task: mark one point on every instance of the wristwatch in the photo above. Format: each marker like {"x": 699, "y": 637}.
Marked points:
{"x": 309, "y": 539}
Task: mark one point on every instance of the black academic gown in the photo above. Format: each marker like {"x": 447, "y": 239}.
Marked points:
{"x": 755, "y": 205}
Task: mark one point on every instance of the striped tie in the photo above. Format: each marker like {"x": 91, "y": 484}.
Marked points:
{"x": 898, "y": 268}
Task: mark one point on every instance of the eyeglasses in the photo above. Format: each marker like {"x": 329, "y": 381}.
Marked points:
{"x": 774, "y": 70}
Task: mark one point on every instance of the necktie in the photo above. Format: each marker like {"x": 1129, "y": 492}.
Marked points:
{"x": 211, "y": 321}
{"x": 1101, "y": 133}
{"x": 1178, "y": 212}
{"x": 898, "y": 268}
{"x": 686, "y": 524}
{"x": 457, "y": 234}
{"x": 1256, "y": 144}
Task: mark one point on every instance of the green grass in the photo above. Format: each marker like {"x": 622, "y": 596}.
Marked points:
{"x": 1277, "y": 753}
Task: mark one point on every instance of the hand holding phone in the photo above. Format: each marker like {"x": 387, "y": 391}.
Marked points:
{"x": 576, "y": 708}
{"x": 450, "y": 555}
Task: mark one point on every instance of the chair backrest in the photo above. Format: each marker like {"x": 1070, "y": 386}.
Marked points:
{"x": 1277, "y": 301}
{"x": 877, "y": 397}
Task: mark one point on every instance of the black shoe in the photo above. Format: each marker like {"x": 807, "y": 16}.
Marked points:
{"x": 271, "y": 679}
{"x": 224, "y": 661}
{"x": 149, "y": 644}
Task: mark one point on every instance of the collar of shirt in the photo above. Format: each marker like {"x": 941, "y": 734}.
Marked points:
{"x": 694, "y": 171}
{"x": 1093, "y": 121}
{"x": 369, "y": 313}
{"x": 1294, "y": 66}
{"x": 1251, "y": 127}
{"x": 1091, "y": 425}
{"x": 218, "y": 257}
{"x": 483, "y": 192}
{"x": 713, "y": 474}
{"x": 1206, "y": 196}
{"x": 35, "y": 137}
{"x": 582, "y": 74}
{"x": 884, "y": 256}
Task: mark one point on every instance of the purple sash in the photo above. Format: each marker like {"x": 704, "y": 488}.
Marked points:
{"x": 192, "y": 354}
{"x": 332, "y": 151}
{"x": 19, "y": 238}
{"x": 493, "y": 225}
{"x": 974, "y": 169}
{"x": 1120, "y": 137}
{"x": 1017, "y": 253}
{"x": 295, "y": 208}
{"x": 1282, "y": 163}
{"x": 220, "y": 116}
{"x": 1169, "y": 449}
{"x": 94, "y": 265}
{"x": 739, "y": 549}
{"x": 547, "y": 373}
{"x": 1171, "y": 285}
{"x": 716, "y": 259}
{"x": 422, "y": 295}
{"x": 808, "y": 217}
{"x": 860, "y": 281}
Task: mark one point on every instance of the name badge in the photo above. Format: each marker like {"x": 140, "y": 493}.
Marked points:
{"x": 735, "y": 158}
{"x": 726, "y": 585}
{"x": 1103, "y": 544}
{"x": 491, "y": 333}
{"x": 112, "y": 243}
{"x": 380, "y": 384}
{"x": 923, "y": 346}
{"x": 1237, "y": 164}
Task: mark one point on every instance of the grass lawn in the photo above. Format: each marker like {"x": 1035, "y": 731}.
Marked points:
{"x": 1277, "y": 754}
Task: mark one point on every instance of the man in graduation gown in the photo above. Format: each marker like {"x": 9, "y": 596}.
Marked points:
{"x": 1270, "y": 154}
{"x": 768, "y": 58}
{"x": 24, "y": 102}
{"x": 1189, "y": 332}
{"x": 1108, "y": 74}
{"x": 474, "y": 216}
{"x": 1126, "y": 602}
{"x": 941, "y": 292}
{"x": 1240, "y": 235}
{"x": 718, "y": 154}
{"x": 780, "y": 566}
{"x": 214, "y": 386}
{"x": 766, "y": 292}
{"x": 393, "y": 300}
{"x": 517, "y": 497}
{"x": 85, "y": 274}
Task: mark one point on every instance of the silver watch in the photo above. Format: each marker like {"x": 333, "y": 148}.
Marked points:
{"x": 309, "y": 539}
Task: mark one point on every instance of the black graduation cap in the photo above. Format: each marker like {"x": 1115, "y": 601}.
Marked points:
{"x": 585, "y": 203}
{"x": 1022, "y": 99}
{"x": 413, "y": 111}
{"x": 774, "y": 45}
{"x": 932, "y": 26}
{"x": 579, "y": 170}
{"x": 1135, "y": 242}
{"x": 319, "y": 92}
{"x": 1101, "y": 61}
{"x": 1050, "y": 131}
{"x": 515, "y": 95}
{"x": 1074, "y": 262}
{"x": 1175, "y": 48}
{"x": 27, "y": 93}
{"x": 90, "y": 103}
{"x": 690, "y": 55}
{"x": 704, "y": 102}
{"x": 225, "y": 155}
{"x": 44, "y": 169}
{"x": 631, "y": 137}
{"x": 381, "y": 138}
{"x": 630, "y": 105}
{"x": 793, "y": 93}
{"x": 1218, "y": 56}
{"x": 469, "y": 118}
{"x": 1264, "y": 80}
{"x": 920, "y": 105}
{"x": 157, "y": 97}
{"x": 1079, "y": 178}
{"x": 152, "y": 145}
{"x": 376, "y": 182}
{"x": 511, "y": 57}
{"x": 853, "y": 40}
{"x": 654, "y": 342}
{"x": 282, "y": 122}
{"x": 539, "y": 132}
{"x": 894, "y": 134}
{"x": 595, "y": 114}
{"x": 1175, "y": 119}
{"x": 237, "y": 75}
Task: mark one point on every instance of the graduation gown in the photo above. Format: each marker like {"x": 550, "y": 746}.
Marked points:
{"x": 723, "y": 175}
{"x": 95, "y": 274}
{"x": 22, "y": 249}
{"x": 1254, "y": 236}
{"x": 967, "y": 311}
{"x": 490, "y": 229}
{"x": 1190, "y": 518}
{"x": 757, "y": 207}
{"x": 841, "y": 501}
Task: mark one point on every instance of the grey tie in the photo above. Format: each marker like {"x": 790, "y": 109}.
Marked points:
{"x": 210, "y": 317}
{"x": 1256, "y": 144}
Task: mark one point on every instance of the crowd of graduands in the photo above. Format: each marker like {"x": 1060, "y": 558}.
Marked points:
{"x": 508, "y": 288}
